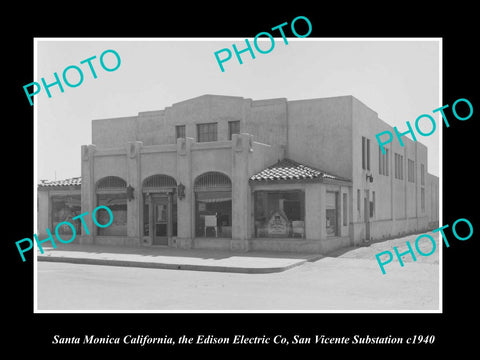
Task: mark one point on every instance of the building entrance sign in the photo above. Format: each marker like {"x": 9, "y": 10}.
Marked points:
{"x": 278, "y": 225}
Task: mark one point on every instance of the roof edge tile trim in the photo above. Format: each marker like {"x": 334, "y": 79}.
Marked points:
{"x": 287, "y": 170}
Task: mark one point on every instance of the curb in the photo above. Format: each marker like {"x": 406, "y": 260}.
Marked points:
{"x": 156, "y": 265}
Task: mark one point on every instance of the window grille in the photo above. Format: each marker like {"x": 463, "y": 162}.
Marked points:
{"x": 111, "y": 183}
{"x": 212, "y": 180}
{"x": 180, "y": 131}
{"x": 158, "y": 182}
{"x": 233, "y": 128}
{"x": 207, "y": 132}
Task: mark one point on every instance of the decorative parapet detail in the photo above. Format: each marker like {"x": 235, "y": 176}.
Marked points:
{"x": 87, "y": 151}
{"x": 133, "y": 148}
{"x": 242, "y": 141}
{"x": 182, "y": 146}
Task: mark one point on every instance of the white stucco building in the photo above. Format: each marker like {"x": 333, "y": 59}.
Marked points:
{"x": 234, "y": 173}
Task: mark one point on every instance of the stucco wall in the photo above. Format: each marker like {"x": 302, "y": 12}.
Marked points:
{"x": 263, "y": 156}
{"x": 320, "y": 134}
{"x": 116, "y": 132}
{"x": 366, "y": 124}
{"x": 422, "y": 158}
{"x": 203, "y": 109}
{"x": 266, "y": 120}
{"x": 43, "y": 199}
{"x": 395, "y": 199}
{"x": 207, "y": 158}
{"x": 158, "y": 127}
{"x": 432, "y": 201}
{"x": 115, "y": 165}
{"x": 158, "y": 163}
{"x": 152, "y": 128}
{"x": 323, "y": 133}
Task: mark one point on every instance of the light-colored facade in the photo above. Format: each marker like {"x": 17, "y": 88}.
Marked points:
{"x": 232, "y": 173}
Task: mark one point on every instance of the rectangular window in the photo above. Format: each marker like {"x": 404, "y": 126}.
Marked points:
{"x": 368, "y": 154}
{"x": 411, "y": 170}
{"x": 372, "y": 205}
{"x": 380, "y": 161}
{"x": 213, "y": 213}
{"x": 331, "y": 213}
{"x": 433, "y": 200}
{"x": 117, "y": 203}
{"x": 422, "y": 174}
{"x": 279, "y": 213}
{"x": 207, "y": 132}
{"x": 422, "y": 198}
{"x": 398, "y": 166}
{"x": 387, "y": 160}
{"x": 233, "y": 128}
{"x": 180, "y": 131}
{"x": 401, "y": 167}
{"x": 358, "y": 199}
{"x": 363, "y": 152}
{"x": 64, "y": 209}
{"x": 344, "y": 209}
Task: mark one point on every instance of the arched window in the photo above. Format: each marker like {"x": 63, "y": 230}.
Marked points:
{"x": 213, "y": 205}
{"x": 111, "y": 191}
{"x": 111, "y": 183}
{"x": 158, "y": 182}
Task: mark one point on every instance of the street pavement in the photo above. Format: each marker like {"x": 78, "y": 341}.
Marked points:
{"x": 348, "y": 280}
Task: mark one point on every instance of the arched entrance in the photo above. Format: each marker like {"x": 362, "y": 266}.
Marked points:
{"x": 159, "y": 208}
{"x": 213, "y": 205}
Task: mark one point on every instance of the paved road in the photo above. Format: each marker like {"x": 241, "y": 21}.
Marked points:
{"x": 350, "y": 281}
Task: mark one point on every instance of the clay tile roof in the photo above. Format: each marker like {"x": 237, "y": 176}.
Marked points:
{"x": 287, "y": 169}
{"x": 75, "y": 181}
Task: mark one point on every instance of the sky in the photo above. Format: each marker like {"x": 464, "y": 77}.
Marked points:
{"x": 397, "y": 78}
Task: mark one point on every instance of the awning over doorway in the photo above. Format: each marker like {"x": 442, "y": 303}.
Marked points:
{"x": 214, "y": 196}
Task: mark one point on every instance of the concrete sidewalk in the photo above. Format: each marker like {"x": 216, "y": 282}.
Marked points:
{"x": 176, "y": 259}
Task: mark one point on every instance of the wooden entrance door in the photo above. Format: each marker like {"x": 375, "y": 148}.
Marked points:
{"x": 161, "y": 219}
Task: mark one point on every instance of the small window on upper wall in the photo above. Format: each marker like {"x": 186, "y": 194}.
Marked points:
{"x": 358, "y": 199}
{"x": 387, "y": 159}
{"x": 372, "y": 205}
{"x": 368, "y": 154}
{"x": 422, "y": 174}
{"x": 382, "y": 162}
{"x": 365, "y": 153}
{"x": 180, "y": 132}
{"x": 233, "y": 128}
{"x": 207, "y": 132}
{"x": 398, "y": 166}
{"x": 411, "y": 170}
{"x": 422, "y": 198}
